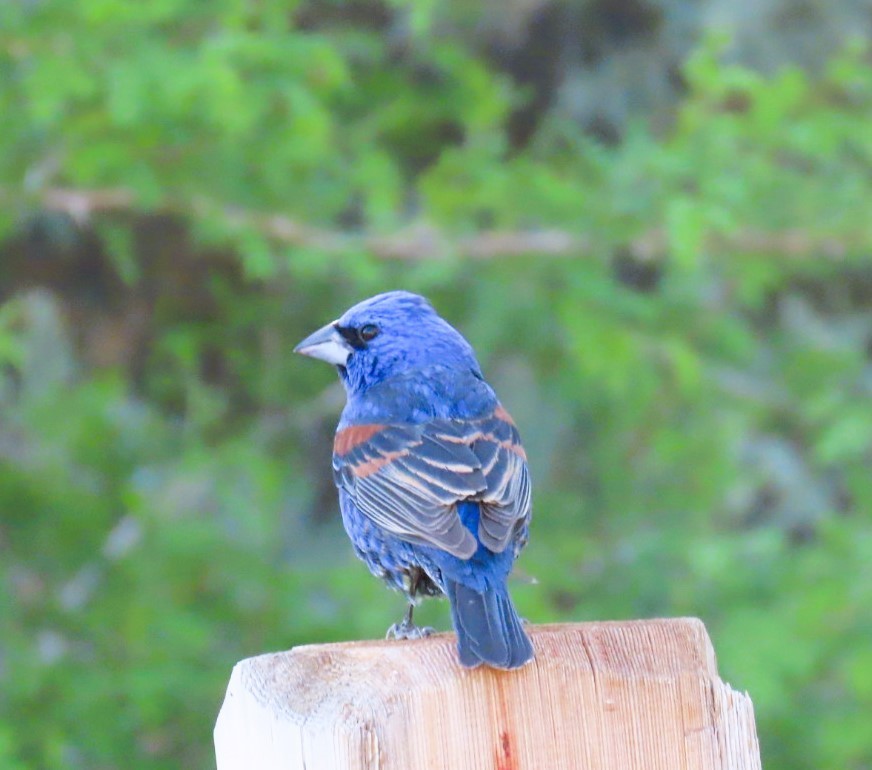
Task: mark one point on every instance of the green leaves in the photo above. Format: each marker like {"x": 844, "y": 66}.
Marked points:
{"x": 191, "y": 187}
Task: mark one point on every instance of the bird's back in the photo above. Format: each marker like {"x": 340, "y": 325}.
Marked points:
{"x": 432, "y": 392}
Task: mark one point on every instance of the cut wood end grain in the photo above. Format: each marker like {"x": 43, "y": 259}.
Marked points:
{"x": 636, "y": 694}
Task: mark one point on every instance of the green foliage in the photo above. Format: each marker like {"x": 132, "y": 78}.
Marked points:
{"x": 694, "y": 384}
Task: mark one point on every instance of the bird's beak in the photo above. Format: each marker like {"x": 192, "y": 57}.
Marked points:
{"x": 327, "y": 344}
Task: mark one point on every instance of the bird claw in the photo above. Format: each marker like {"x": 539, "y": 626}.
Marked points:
{"x": 407, "y": 630}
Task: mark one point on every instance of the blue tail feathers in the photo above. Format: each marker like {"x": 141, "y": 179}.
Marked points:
{"x": 488, "y": 628}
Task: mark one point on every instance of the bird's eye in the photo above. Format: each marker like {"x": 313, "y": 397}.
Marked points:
{"x": 368, "y": 332}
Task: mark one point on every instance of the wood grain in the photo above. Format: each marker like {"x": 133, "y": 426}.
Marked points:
{"x": 616, "y": 695}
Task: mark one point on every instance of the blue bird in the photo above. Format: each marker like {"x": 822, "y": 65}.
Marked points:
{"x": 433, "y": 481}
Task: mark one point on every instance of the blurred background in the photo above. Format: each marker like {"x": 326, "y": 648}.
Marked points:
{"x": 652, "y": 218}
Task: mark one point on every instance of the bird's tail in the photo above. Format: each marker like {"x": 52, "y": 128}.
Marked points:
{"x": 488, "y": 627}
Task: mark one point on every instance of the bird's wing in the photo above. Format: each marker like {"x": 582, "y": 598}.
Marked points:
{"x": 506, "y": 504}
{"x": 408, "y": 479}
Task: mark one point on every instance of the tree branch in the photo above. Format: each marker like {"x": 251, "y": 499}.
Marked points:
{"x": 421, "y": 241}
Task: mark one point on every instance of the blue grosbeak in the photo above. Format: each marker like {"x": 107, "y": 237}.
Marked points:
{"x": 433, "y": 481}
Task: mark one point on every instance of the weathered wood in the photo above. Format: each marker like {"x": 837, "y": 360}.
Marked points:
{"x": 619, "y": 695}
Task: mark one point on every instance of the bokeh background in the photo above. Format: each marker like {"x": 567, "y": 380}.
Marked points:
{"x": 653, "y": 219}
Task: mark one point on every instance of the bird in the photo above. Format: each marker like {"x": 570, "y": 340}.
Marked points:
{"x": 434, "y": 488}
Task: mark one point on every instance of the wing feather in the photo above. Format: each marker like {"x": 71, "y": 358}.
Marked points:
{"x": 408, "y": 479}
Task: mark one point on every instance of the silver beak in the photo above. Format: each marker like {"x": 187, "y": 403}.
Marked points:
{"x": 326, "y": 344}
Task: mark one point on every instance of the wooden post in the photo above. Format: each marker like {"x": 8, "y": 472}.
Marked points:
{"x": 616, "y": 696}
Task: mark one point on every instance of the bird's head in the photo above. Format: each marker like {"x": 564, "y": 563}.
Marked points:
{"x": 386, "y": 335}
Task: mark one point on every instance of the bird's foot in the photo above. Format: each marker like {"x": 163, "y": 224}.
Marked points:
{"x": 407, "y": 630}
